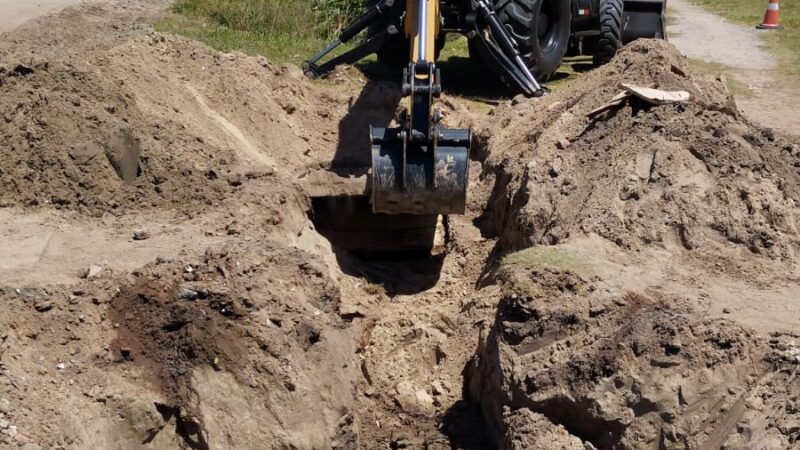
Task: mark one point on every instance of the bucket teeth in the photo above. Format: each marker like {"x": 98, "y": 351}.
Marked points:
{"x": 420, "y": 178}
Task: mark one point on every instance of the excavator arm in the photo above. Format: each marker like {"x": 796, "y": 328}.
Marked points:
{"x": 420, "y": 167}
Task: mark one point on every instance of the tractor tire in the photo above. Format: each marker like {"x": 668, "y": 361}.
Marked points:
{"x": 541, "y": 29}
{"x": 610, "y": 40}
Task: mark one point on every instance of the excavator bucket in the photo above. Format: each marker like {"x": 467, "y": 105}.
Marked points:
{"x": 419, "y": 178}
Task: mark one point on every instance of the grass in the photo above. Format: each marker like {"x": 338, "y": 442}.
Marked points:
{"x": 785, "y": 42}
{"x": 282, "y": 30}
{"x": 293, "y": 30}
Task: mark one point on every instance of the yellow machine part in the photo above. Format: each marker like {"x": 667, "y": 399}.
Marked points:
{"x": 414, "y": 34}
{"x": 412, "y": 28}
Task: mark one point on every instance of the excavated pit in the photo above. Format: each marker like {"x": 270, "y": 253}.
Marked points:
{"x": 254, "y": 318}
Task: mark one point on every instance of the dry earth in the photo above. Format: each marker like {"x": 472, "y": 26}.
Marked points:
{"x": 626, "y": 281}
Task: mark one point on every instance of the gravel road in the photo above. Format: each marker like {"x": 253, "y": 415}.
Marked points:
{"x": 769, "y": 99}
{"x": 17, "y": 12}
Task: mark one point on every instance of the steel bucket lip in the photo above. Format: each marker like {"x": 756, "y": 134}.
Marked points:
{"x": 386, "y": 155}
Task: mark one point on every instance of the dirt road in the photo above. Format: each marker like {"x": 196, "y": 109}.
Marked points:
{"x": 171, "y": 277}
{"x": 17, "y": 12}
{"x": 766, "y": 97}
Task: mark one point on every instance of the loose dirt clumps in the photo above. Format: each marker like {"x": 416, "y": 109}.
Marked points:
{"x": 621, "y": 370}
{"x": 692, "y": 175}
{"x": 237, "y": 327}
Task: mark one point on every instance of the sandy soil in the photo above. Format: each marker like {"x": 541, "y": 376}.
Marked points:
{"x": 770, "y": 98}
{"x": 17, "y": 12}
{"x": 173, "y": 272}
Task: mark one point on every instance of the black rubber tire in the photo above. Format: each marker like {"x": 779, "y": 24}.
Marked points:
{"x": 610, "y": 40}
{"x": 541, "y": 29}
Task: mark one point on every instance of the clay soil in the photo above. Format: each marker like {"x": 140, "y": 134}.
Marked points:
{"x": 171, "y": 277}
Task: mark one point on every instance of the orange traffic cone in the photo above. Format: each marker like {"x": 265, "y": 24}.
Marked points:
{"x": 772, "y": 18}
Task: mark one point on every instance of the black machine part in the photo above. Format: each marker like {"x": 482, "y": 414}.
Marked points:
{"x": 502, "y": 50}
{"x": 594, "y": 31}
{"x": 611, "y": 25}
{"x": 498, "y": 46}
{"x": 374, "y": 13}
{"x": 420, "y": 167}
{"x": 644, "y": 19}
{"x": 541, "y": 29}
{"x": 420, "y": 178}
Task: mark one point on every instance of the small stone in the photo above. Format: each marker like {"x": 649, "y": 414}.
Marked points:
{"x": 61, "y": 366}
{"x": 5, "y": 406}
{"x": 188, "y": 276}
{"x": 423, "y": 398}
{"x": 91, "y": 272}
{"x": 43, "y": 305}
{"x": 11, "y": 431}
{"x": 235, "y": 179}
{"x": 187, "y": 294}
{"x": 4, "y": 424}
{"x": 141, "y": 235}
{"x": 726, "y": 310}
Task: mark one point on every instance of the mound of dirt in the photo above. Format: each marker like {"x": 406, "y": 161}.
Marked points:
{"x": 693, "y": 176}
{"x": 626, "y": 371}
{"x": 159, "y": 121}
{"x": 255, "y": 331}
{"x": 230, "y": 351}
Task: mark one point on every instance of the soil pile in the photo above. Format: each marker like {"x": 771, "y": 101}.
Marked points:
{"x": 621, "y": 370}
{"x": 230, "y": 351}
{"x": 242, "y": 335}
{"x": 159, "y": 121}
{"x": 572, "y": 358}
{"x": 694, "y": 176}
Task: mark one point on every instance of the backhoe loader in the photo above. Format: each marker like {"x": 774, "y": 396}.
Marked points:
{"x": 421, "y": 167}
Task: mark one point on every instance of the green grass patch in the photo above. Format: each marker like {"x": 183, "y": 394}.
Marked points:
{"x": 282, "y": 30}
{"x": 294, "y": 30}
{"x": 750, "y": 12}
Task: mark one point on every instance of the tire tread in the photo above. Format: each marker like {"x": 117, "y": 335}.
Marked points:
{"x": 611, "y": 13}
